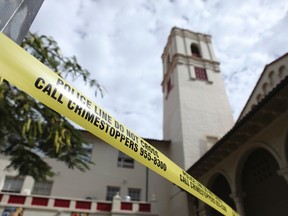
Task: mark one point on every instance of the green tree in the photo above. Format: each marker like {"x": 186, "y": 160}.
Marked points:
{"x": 29, "y": 130}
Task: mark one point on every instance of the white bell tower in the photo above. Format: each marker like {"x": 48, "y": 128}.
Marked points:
{"x": 196, "y": 108}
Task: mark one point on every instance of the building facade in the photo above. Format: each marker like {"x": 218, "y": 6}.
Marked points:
{"x": 244, "y": 163}
{"x": 112, "y": 172}
{"x": 247, "y": 167}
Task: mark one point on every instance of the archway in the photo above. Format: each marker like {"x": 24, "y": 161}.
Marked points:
{"x": 265, "y": 192}
{"x": 195, "y": 51}
{"x": 220, "y": 186}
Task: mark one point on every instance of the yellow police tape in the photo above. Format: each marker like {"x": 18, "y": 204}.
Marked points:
{"x": 28, "y": 74}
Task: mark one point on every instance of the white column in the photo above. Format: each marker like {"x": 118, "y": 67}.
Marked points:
{"x": 27, "y": 185}
{"x": 238, "y": 199}
{"x": 116, "y": 204}
{"x": 202, "y": 210}
{"x": 284, "y": 173}
{"x": 154, "y": 205}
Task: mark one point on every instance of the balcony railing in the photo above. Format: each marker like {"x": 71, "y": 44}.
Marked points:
{"x": 34, "y": 205}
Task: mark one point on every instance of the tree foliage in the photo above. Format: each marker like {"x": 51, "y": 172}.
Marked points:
{"x": 30, "y": 131}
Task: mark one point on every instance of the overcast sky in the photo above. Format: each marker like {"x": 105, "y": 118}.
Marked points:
{"x": 121, "y": 41}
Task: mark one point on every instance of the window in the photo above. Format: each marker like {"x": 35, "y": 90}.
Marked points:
{"x": 42, "y": 188}
{"x": 265, "y": 88}
{"x": 282, "y": 72}
{"x": 111, "y": 192}
{"x": 125, "y": 161}
{"x": 272, "y": 78}
{"x": 200, "y": 73}
{"x": 195, "y": 51}
{"x": 134, "y": 193}
{"x": 12, "y": 184}
{"x": 88, "y": 148}
{"x": 259, "y": 97}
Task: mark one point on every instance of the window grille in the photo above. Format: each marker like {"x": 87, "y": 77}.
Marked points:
{"x": 111, "y": 192}
{"x": 12, "y": 184}
{"x": 125, "y": 161}
{"x": 200, "y": 73}
{"x": 135, "y": 194}
{"x": 42, "y": 188}
{"x": 88, "y": 149}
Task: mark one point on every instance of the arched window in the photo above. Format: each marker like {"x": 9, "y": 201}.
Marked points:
{"x": 195, "y": 51}
{"x": 259, "y": 97}
{"x": 272, "y": 78}
{"x": 281, "y": 72}
{"x": 265, "y": 88}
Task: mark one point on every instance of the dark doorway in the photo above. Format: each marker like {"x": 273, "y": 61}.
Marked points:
{"x": 265, "y": 192}
{"x": 221, "y": 188}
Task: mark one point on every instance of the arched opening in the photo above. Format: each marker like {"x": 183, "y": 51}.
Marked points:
{"x": 281, "y": 72}
{"x": 265, "y": 192}
{"x": 272, "y": 78}
{"x": 222, "y": 189}
{"x": 195, "y": 51}
{"x": 259, "y": 97}
{"x": 265, "y": 88}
